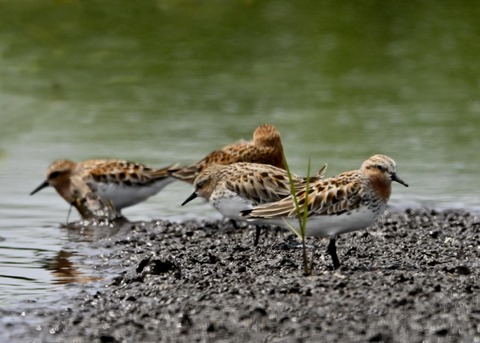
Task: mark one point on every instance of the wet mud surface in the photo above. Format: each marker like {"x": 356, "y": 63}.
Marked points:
{"x": 412, "y": 277}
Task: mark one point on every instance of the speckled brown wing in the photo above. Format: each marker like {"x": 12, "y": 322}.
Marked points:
{"x": 325, "y": 197}
{"x": 126, "y": 172}
{"x": 336, "y": 195}
{"x": 261, "y": 183}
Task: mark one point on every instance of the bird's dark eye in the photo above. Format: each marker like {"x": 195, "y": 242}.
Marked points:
{"x": 54, "y": 175}
{"x": 379, "y": 167}
{"x": 201, "y": 183}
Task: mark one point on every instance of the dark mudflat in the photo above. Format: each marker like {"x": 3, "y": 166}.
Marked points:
{"x": 412, "y": 277}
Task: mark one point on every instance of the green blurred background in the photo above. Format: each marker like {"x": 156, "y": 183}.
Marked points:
{"x": 164, "y": 81}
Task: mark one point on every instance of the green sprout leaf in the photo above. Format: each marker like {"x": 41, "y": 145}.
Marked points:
{"x": 302, "y": 217}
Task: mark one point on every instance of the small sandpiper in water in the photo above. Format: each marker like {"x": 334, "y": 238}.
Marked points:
{"x": 120, "y": 183}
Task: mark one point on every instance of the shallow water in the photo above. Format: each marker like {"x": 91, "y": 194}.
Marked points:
{"x": 162, "y": 82}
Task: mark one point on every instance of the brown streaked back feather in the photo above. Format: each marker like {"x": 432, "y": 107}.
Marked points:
{"x": 260, "y": 183}
{"x": 121, "y": 170}
{"x": 325, "y": 197}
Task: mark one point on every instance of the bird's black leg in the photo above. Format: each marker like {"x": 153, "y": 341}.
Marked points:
{"x": 258, "y": 231}
{"x": 68, "y": 214}
{"x": 332, "y": 251}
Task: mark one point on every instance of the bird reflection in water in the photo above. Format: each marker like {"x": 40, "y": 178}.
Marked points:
{"x": 64, "y": 271}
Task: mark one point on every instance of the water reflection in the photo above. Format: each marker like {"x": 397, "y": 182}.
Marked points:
{"x": 64, "y": 271}
{"x": 27, "y": 270}
{"x": 68, "y": 266}
{"x": 85, "y": 231}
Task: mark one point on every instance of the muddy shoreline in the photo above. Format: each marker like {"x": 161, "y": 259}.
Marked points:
{"x": 412, "y": 277}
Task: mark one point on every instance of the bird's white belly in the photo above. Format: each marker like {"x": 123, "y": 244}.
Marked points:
{"x": 230, "y": 207}
{"x": 333, "y": 225}
{"x": 122, "y": 196}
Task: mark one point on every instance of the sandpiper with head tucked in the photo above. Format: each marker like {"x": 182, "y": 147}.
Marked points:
{"x": 266, "y": 148}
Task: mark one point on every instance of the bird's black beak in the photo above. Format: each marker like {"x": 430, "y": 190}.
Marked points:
{"x": 39, "y": 188}
{"x": 190, "y": 198}
{"x": 399, "y": 180}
